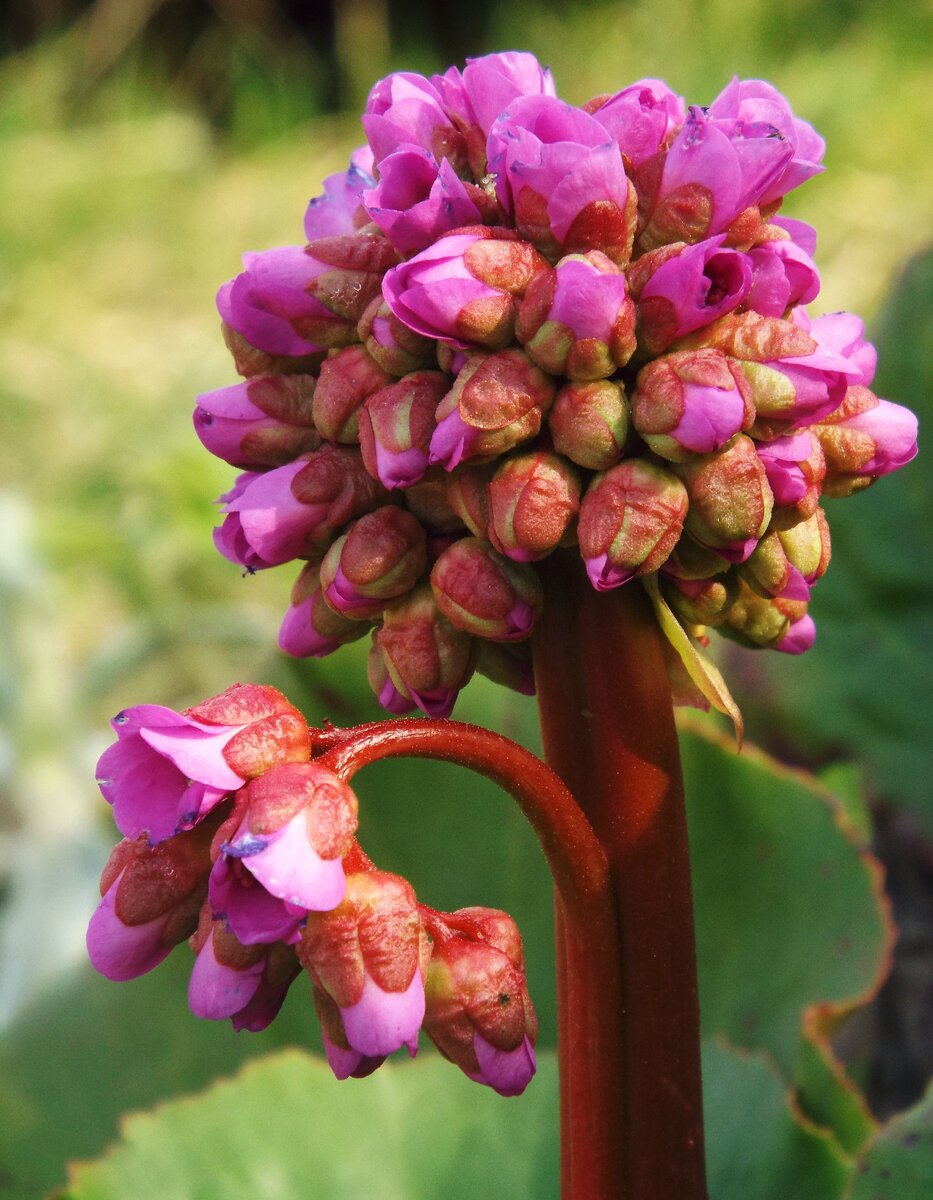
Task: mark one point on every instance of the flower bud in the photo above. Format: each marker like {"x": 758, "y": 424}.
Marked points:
{"x": 496, "y": 403}
{"x": 561, "y": 175}
{"x": 379, "y": 559}
{"x": 310, "y": 627}
{"x": 248, "y": 984}
{"x": 365, "y": 955}
{"x": 786, "y": 562}
{"x": 702, "y": 601}
{"x": 151, "y": 897}
{"x": 533, "y": 498}
{"x": 248, "y": 361}
{"x": 468, "y": 494}
{"x": 294, "y": 511}
{"x": 264, "y": 422}
{"x": 589, "y": 423}
{"x": 508, "y": 663}
{"x": 641, "y": 117}
{"x": 630, "y": 520}
{"x": 730, "y": 500}
{"x": 347, "y": 378}
{"x": 464, "y": 289}
{"x": 483, "y": 593}
{"x": 577, "y": 319}
{"x": 427, "y": 500}
{"x": 417, "y": 200}
{"x": 864, "y": 439}
{"x": 265, "y": 300}
{"x": 795, "y": 467}
{"x": 405, "y": 109}
{"x": 396, "y": 425}
{"x": 478, "y": 1012}
{"x": 783, "y": 275}
{"x": 390, "y": 343}
{"x": 167, "y": 770}
{"x": 296, "y": 823}
{"x": 688, "y": 290}
{"x": 347, "y": 277}
{"x": 777, "y": 623}
{"x": 419, "y": 657}
{"x": 690, "y": 402}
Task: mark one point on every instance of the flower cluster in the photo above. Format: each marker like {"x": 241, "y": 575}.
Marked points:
{"x": 519, "y": 325}
{"x": 240, "y": 839}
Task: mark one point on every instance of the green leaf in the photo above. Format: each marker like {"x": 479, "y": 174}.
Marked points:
{"x": 418, "y": 1131}
{"x": 758, "y": 1146}
{"x": 788, "y": 902}
{"x": 899, "y": 1164}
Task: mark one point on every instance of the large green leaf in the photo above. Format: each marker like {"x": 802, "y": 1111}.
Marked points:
{"x": 284, "y": 1129}
{"x": 788, "y": 903}
{"x": 899, "y": 1164}
{"x": 865, "y": 690}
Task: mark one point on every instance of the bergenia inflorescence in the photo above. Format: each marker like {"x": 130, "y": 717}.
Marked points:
{"x": 519, "y": 325}
{"x": 240, "y": 839}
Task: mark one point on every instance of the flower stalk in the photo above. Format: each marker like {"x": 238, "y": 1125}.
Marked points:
{"x": 608, "y": 729}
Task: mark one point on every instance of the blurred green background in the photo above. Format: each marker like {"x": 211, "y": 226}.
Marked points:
{"x": 143, "y": 147}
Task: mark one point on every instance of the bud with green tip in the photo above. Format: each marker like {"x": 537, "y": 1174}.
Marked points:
{"x": 347, "y": 378}
{"x": 589, "y": 423}
{"x": 310, "y": 627}
{"x": 702, "y": 601}
{"x": 396, "y": 424}
{"x": 730, "y": 500}
{"x": 396, "y": 348}
{"x": 379, "y": 559}
{"x": 787, "y": 561}
{"x": 864, "y": 439}
{"x": 630, "y": 520}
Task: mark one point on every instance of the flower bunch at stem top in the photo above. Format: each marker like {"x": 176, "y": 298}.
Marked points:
{"x": 518, "y": 325}
{"x": 240, "y": 838}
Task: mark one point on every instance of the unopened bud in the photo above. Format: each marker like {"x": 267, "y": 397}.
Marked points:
{"x": 795, "y": 467}
{"x": 589, "y": 423}
{"x": 702, "y": 601}
{"x": 508, "y": 663}
{"x": 757, "y": 621}
{"x": 347, "y": 378}
{"x": 389, "y": 341}
{"x": 467, "y": 492}
{"x": 630, "y": 520}
{"x": 485, "y": 594}
{"x": 396, "y": 425}
{"x": 786, "y": 562}
{"x": 533, "y": 498}
{"x": 730, "y": 500}
{"x": 310, "y": 627}
{"x": 379, "y": 559}
{"x": 419, "y": 657}
{"x": 496, "y": 403}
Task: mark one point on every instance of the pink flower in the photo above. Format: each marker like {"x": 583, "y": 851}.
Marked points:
{"x": 416, "y": 201}
{"x": 641, "y": 118}
{"x": 264, "y": 421}
{"x": 339, "y": 209}
{"x": 561, "y": 175}
{"x": 489, "y": 84}
{"x": 396, "y": 425}
{"x": 407, "y": 109}
{"x": 691, "y": 289}
{"x": 296, "y": 823}
{"x": 269, "y": 296}
{"x": 783, "y": 275}
{"x": 167, "y": 770}
{"x": 464, "y": 289}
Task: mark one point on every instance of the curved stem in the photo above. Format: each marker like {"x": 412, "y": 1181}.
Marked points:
{"x": 587, "y": 962}
{"x": 608, "y": 729}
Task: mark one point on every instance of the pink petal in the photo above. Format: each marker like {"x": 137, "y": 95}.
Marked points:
{"x": 119, "y": 951}
{"x": 290, "y": 868}
{"x": 217, "y": 991}
{"x": 380, "y": 1022}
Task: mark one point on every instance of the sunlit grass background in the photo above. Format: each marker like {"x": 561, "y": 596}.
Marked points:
{"x": 126, "y": 198}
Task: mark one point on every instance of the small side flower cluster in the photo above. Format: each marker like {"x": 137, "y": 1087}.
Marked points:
{"x": 242, "y": 842}
{"x": 519, "y": 325}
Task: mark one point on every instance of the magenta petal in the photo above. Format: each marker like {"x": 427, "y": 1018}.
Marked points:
{"x": 400, "y": 469}
{"x": 217, "y": 991}
{"x": 380, "y": 1022}
{"x": 605, "y": 575}
{"x": 452, "y": 441}
{"x": 506, "y": 1071}
{"x": 345, "y": 1063}
{"x": 119, "y": 951}
{"x": 290, "y": 868}
{"x": 393, "y": 701}
{"x": 198, "y": 755}
{"x": 252, "y": 914}
{"x": 262, "y": 1009}
{"x": 143, "y": 787}
{"x": 799, "y": 638}
{"x": 710, "y": 417}
{"x": 299, "y": 638}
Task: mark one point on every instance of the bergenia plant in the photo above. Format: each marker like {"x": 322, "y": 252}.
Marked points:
{"x": 538, "y": 395}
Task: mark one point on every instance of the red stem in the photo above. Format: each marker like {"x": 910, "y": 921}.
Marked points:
{"x": 608, "y": 729}
{"x": 589, "y": 1047}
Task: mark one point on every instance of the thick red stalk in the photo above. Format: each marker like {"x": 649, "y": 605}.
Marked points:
{"x": 608, "y": 729}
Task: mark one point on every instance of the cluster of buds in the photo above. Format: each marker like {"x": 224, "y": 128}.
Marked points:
{"x": 239, "y": 839}
{"x": 518, "y": 326}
